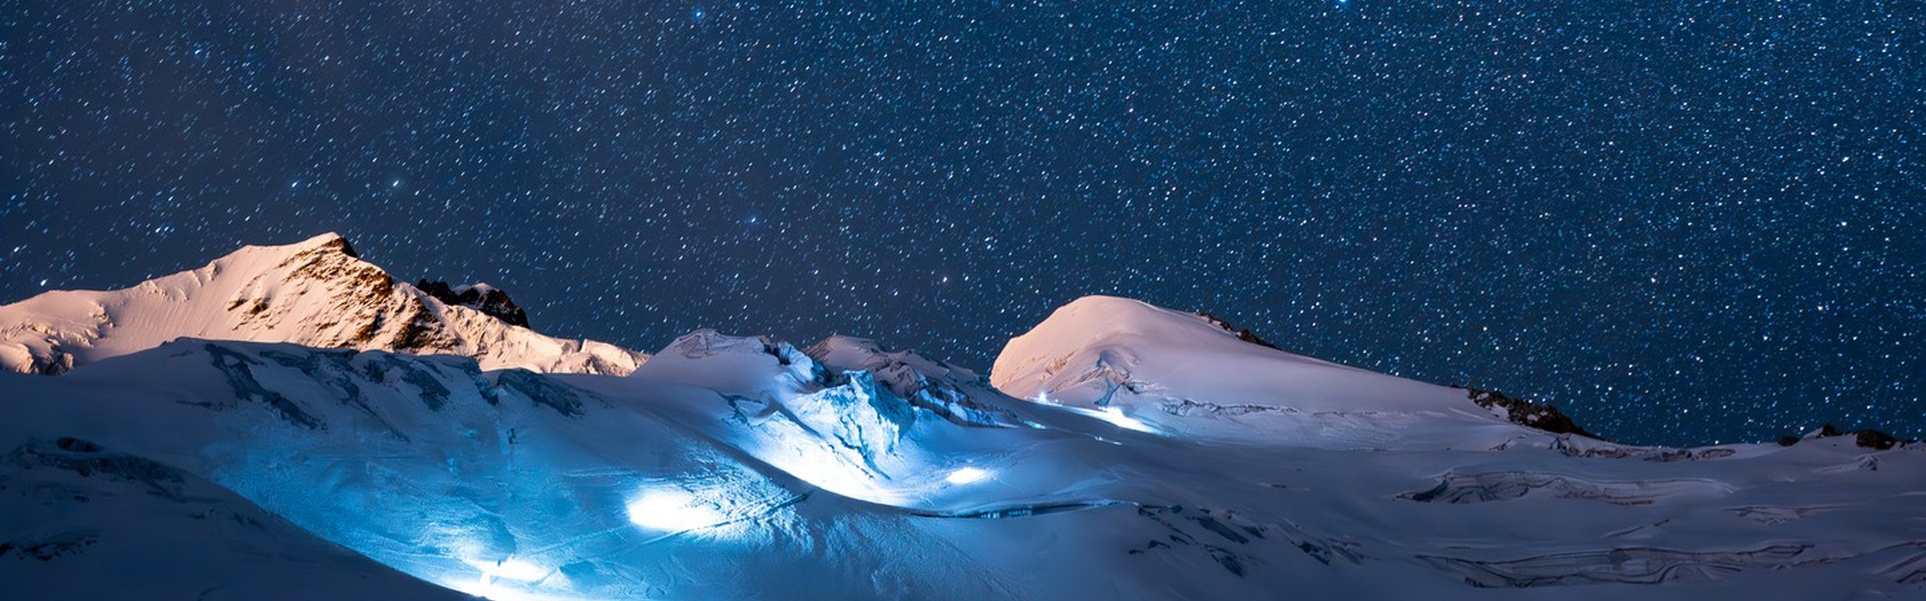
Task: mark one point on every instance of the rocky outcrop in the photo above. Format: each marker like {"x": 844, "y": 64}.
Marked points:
{"x": 487, "y": 299}
{"x": 1867, "y": 438}
{"x": 1525, "y": 413}
{"x": 1243, "y": 334}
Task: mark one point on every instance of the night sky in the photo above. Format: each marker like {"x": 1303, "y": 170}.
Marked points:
{"x": 1683, "y": 222}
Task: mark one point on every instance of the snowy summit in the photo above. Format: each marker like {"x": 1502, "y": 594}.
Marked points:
{"x": 316, "y": 293}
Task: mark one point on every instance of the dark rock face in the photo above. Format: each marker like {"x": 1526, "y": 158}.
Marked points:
{"x": 489, "y": 301}
{"x": 1868, "y": 438}
{"x": 1526, "y": 413}
{"x": 1874, "y": 439}
{"x": 1242, "y": 334}
{"x": 341, "y": 245}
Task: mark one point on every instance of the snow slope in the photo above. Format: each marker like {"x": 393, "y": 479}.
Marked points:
{"x": 1167, "y": 459}
{"x": 316, "y": 293}
{"x": 1181, "y": 374}
{"x": 85, "y": 522}
{"x": 741, "y": 467}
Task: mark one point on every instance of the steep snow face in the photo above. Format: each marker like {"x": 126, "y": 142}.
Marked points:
{"x": 1179, "y": 373}
{"x": 315, "y": 293}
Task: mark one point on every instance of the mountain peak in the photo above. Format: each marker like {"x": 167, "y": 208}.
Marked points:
{"x": 316, "y": 292}
{"x": 328, "y": 241}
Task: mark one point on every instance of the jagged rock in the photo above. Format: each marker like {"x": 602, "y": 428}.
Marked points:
{"x": 1863, "y": 438}
{"x": 1525, "y": 413}
{"x": 487, "y": 299}
{"x": 1867, "y": 438}
{"x": 1874, "y": 439}
{"x": 1243, "y": 334}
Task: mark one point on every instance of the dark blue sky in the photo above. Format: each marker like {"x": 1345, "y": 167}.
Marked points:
{"x": 1682, "y": 221}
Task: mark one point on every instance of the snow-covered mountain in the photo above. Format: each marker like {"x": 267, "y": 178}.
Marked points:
{"x": 316, "y": 293}
{"x": 1141, "y": 453}
{"x": 1187, "y": 375}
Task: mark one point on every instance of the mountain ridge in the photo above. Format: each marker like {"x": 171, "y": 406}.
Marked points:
{"x": 316, "y": 292}
{"x": 1118, "y": 450}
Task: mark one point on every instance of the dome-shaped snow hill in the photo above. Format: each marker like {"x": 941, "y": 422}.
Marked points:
{"x": 1185, "y": 374}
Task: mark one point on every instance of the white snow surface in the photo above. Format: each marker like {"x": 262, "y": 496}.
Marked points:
{"x": 82, "y": 522}
{"x": 315, "y": 293}
{"x": 1178, "y": 373}
{"x": 734, "y": 467}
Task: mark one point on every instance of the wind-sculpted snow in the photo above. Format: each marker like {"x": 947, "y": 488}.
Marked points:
{"x": 316, "y": 293}
{"x": 743, "y": 467}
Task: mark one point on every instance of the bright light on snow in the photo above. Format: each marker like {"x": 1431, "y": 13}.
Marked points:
{"x": 506, "y": 569}
{"x": 967, "y": 475}
{"x": 673, "y": 510}
{"x": 516, "y": 569}
{"x": 1116, "y": 416}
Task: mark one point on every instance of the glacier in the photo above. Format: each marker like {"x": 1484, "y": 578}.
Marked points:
{"x": 1116, "y": 451}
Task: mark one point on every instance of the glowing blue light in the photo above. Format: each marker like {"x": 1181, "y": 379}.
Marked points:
{"x": 672, "y": 510}
{"x": 967, "y": 475}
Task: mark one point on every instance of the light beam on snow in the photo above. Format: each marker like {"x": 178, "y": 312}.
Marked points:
{"x": 672, "y": 510}
{"x": 967, "y": 475}
{"x": 1116, "y": 417}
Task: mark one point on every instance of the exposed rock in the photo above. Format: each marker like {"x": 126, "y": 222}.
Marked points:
{"x": 482, "y": 297}
{"x": 1874, "y": 439}
{"x": 1242, "y": 334}
{"x": 1867, "y": 438}
{"x": 1525, "y": 413}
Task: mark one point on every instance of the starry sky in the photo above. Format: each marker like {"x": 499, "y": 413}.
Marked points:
{"x": 1681, "y": 221}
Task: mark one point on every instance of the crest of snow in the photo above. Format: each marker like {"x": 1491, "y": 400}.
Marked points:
{"x": 316, "y": 293}
{"x": 481, "y": 288}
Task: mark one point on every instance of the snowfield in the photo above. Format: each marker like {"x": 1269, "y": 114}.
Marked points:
{"x": 1116, "y": 451}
